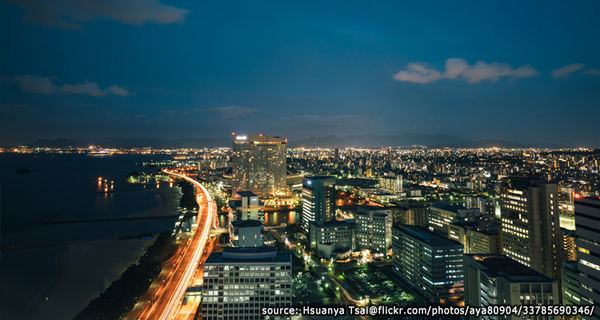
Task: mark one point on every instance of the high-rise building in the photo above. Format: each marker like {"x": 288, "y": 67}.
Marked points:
{"x": 568, "y": 248}
{"x": 495, "y": 279}
{"x": 570, "y": 283}
{"x": 245, "y": 233}
{"x": 239, "y": 282}
{"x": 374, "y": 229}
{"x": 332, "y": 239}
{"x": 246, "y": 206}
{"x": 587, "y": 226}
{"x": 318, "y": 200}
{"x": 530, "y": 225}
{"x": 430, "y": 263}
{"x": 259, "y": 164}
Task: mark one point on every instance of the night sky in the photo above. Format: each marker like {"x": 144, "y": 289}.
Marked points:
{"x": 522, "y": 71}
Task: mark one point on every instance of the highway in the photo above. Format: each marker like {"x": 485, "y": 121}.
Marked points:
{"x": 169, "y": 294}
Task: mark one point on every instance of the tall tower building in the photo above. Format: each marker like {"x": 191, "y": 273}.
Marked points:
{"x": 239, "y": 282}
{"x": 587, "y": 226}
{"x": 374, "y": 229}
{"x": 530, "y": 225}
{"x": 259, "y": 164}
{"x": 318, "y": 200}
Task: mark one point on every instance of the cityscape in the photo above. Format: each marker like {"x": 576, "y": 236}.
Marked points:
{"x": 312, "y": 160}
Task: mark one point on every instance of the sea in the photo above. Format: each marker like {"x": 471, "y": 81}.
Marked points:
{"x": 54, "y": 268}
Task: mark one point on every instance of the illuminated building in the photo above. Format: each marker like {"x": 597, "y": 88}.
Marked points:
{"x": 430, "y": 263}
{"x": 333, "y": 238}
{"x": 442, "y": 214}
{"x": 568, "y": 245}
{"x": 259, "y": 165}
{"x": 391, "y": 184}
{"x": 414, "y": 215}
{"x": 477, "y": 237}
{"x": 570, "y": 283}
{"x": 245, "y": 206}
{"x": 374, "y": 229}
{"x": 239, "y": 282}
{"x": 246, "y": 233}
{"x": 495, "y": 279}
{"x": 587, "y": 226}
{"x": 318, "y": 200}
{"x": 530, "y": 225}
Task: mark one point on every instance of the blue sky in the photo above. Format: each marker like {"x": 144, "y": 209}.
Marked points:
{"x": 527, "y": 72}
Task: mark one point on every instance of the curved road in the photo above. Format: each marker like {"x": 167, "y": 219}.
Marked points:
{"x": 170, "y": 295}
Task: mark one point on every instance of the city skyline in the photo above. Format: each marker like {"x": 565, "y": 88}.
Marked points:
{"x": 161, "y": 69}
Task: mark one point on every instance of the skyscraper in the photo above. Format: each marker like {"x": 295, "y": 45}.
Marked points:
{"x": 495, "y": 279}
{"x": 239, "y": 282}
{"x": 587, "y": 226}
{"x": 430, "y": 263}
{"x": 318, "y": 200}
{"x": 259, "y": 164}
{"x": 374, "y": 229}
{"x": 530, "y": 225}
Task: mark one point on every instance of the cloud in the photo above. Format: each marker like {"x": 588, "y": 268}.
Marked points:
{"x": 565, "y": 71}
{"x": 118, "y": 91}
{"x": 89, "y": 88}
{"x": 35, "y": 84}
{"x": 592, "y": 72}
{"x": 46, "y": 85}
{"x": 233, "y": 112}
{"x": 419, "y": 73}
{"x": 68, "y": 14}
{"x": 459, "y": 69}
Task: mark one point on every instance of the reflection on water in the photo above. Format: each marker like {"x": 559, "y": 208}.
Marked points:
{"x": 271, "y": 218}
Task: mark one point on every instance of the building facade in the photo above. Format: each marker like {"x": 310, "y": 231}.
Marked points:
{"x": 238, "y": 282}
{"x": 495, "y": 279}
{"x": 587, "y": 226}
{"x": 374, "y": 229}
{"x": 476, "y": 237}
{"x": 442, "y": 214}
{"x": 259, "y": 165}
{"x": 332, "y": 239}
{"x": 318, "y": 200}
{"x": 430, "y": 263}
{"x": 530, "y": 225}
{"x": 246, "y": 233}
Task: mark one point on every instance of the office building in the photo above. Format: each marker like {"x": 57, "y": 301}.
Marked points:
{"x": 391, "y": 184}
{"x": 374, "y": 230}
{"x": 495, "y": 279}
{"x": 442, "y": 214}
{"x": 568, "y": 246}
{"x": 259, "y": 165}
{"x": 570, "y": 283}
{"x": 333, "y": 239}
{"x": 246, "y": 206}
{"x": 414, "y": 214}
{"x": 476, "y": 237}
{"x": 238, "y": 282}
{"x": 430, "y": 263}
{"x": 530, "y": 224}
{"x": 587, "y": 226}
{"x": 245, "y": 233}
{"x": 318, "y": 200}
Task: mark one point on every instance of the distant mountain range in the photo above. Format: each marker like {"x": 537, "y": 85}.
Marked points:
{"x": 429, "y": 140}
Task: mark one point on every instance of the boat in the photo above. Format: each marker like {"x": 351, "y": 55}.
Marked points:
{"x": 100, "y": 153}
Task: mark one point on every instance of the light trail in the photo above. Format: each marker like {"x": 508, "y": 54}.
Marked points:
{"x": 197, "y": 243}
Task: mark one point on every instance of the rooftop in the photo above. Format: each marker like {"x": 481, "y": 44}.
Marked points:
{"x": 501, "y": 266}
{"x": 246, "y": 223}
{"x": 249, "y": 255}
{"x": 427, "y": 236}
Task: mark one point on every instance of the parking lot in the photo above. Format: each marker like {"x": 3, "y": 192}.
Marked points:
{"x": 378, "y": 287}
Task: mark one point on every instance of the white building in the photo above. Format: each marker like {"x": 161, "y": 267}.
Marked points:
{"x": 374, "y": 229}
{"x": 238, "y": 282}
{"x": 246, "y": 233}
